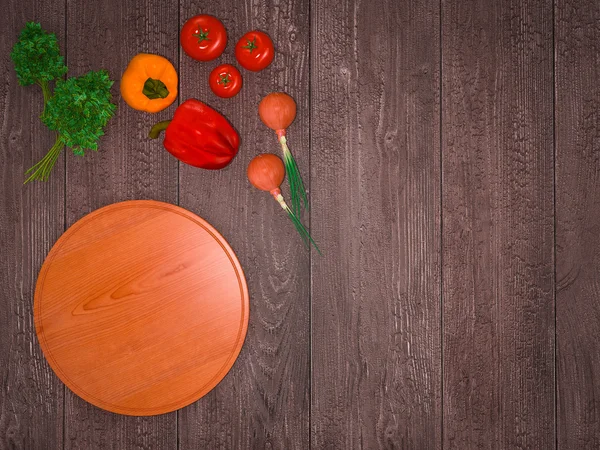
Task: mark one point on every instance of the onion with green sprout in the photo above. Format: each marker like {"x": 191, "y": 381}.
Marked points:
{"x": 266, "y": 172}
{"x": 277, "y": 111}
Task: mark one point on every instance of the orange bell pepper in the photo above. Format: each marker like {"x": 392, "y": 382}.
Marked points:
{"x": 149, "y": 83}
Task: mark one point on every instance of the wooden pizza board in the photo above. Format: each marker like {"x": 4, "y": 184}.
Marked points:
{"x": 141, "y": 307}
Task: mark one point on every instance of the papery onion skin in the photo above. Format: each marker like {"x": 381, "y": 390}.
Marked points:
{"x": 277, "y": 110}
{"x": 266, "y": 172}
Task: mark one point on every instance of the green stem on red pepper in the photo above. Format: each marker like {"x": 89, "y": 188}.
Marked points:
{"x": 158, "y": 128}
{"x": 199, "y": 136}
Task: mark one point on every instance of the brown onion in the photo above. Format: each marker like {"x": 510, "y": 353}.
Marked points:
{"x": 277, "y": 110}
{"x": 266, "y": 172}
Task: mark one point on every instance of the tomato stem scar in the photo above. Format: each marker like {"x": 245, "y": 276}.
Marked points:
{"x": 202, "y": 35}
{"x": 250, "y": 44}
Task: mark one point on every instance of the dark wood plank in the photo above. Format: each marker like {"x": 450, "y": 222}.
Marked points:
{"x": 497, "y": 197}
{"x": 577, "y": 115}
{"x": 376, "y": 213}
{"x": 127, "y": 166}
{"x": 31, "y": 219}
{"x": 264, "y": 401}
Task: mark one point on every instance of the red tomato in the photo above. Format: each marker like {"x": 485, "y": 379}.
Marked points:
{"x": 254, "y": 51}
{"x": 225, "y": 80}
{"x": 203, "y": 37}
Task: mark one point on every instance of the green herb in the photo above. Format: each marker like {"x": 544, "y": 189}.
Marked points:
{"x": 78, "y": 112}
{"x": 37, "y": 58}
{"x": 78, "y": 109}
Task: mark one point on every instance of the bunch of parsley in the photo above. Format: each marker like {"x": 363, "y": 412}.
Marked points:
{"x": 78, "y": 109}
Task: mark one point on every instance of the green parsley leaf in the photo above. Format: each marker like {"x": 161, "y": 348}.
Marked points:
{"x": 36, "y": 56}
{"x": 79, "y": 110}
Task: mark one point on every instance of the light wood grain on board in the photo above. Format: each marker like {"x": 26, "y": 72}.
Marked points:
{"x": 264, "y": 400}
{"x": 497, "y": 168}
{"x": 376, "y": 213}
{"x": 31, "y": 219}
{"x": 106, "y": 35}
{"x": 152, "y": 328}
{"x": 577, "y": 110}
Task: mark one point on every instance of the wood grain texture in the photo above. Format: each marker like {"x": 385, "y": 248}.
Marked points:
{"x": 402, "y": 222}
{"x": 141, "y": 307}
{"x": 577, "y": 112}
{"x": 376, "y": 214}
{"x": 127, "y": 166}
{"x": 498, "y": 286}
{"x": 264, "y": 401}
{"x": 31, "y": 219}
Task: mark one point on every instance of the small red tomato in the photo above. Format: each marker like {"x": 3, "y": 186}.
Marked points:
{"x": 225, "y": 80}
{"x": 203, "y": 37}
{"x": 254, "y": 51}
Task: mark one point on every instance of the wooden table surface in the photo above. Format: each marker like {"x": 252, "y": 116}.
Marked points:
{"x": 451, "y": 149}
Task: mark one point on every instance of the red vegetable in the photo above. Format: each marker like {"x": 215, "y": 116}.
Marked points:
{"x": 277, "y": 111}
{"x": 254, "y": 51}
{"x": 225, "y": 81}
{"x": 203, "y": 37}
{"x": 199, "y": 136}
{"x": 266, "y": 172}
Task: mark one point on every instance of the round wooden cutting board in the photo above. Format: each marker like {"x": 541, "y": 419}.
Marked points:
{"x": 141, "y": 308}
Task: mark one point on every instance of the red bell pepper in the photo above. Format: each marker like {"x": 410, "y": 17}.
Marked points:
{"x": 199, "y": 136}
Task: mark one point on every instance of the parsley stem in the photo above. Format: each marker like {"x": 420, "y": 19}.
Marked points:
{"x": 41, "y": 170}
{"x": 47, "y": 94}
